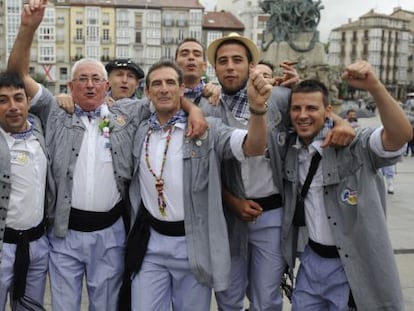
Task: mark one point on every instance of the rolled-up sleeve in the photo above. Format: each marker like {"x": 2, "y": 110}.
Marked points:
{"x": 376, "y": 146}
{"x": 236, "y": 143}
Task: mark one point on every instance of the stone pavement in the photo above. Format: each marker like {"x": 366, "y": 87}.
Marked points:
{"x": 400, "y": 222}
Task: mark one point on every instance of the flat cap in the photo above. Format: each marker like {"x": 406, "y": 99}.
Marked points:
{"x": 120, "y": 63}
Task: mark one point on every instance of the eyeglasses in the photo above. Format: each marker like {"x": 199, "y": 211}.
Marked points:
{"x": 94, "y": 80}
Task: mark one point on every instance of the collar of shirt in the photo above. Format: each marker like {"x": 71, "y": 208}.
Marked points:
{"x": 11, "y": 138}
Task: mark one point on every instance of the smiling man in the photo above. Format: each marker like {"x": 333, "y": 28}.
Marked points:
{"x": 175, "y": 192}
{"x": 253, "y": 207}
{"x": 24, "y": 247}
{"x": 337, "y": 195}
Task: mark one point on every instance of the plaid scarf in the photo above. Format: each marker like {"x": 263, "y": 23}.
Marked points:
{"x": 238, "y": 104}
{"x": 90, "y": 114}
{"x": 154, "y": 124}
{"x": 195, "y": 93}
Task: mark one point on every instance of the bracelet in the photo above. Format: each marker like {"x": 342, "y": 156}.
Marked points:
{"x": 258, "y": 112}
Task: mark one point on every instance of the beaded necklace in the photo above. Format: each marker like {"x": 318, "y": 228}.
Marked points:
{"x": 159, "y": 181}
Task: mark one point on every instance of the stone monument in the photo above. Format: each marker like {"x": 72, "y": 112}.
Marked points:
{"x": 291, "y": 34}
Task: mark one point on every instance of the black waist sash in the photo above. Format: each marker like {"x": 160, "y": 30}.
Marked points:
{"x": 324, "y": 251}
{"x": 137, "y": 244}
{"x": 88, "y": 221}
{"x": 273, "y": 201}
{"x": 22, "y": 238}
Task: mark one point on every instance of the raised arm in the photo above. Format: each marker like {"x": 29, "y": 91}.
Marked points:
{"x": 31, "y": 17}
{"x": 258, "y": 92}
{"x": 397, "y": 129}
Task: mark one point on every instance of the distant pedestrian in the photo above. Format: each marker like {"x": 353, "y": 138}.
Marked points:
{"x": 389, "y": 172}
{"x": 360, "y": 102}
{"x": 410, "y": 147}
{"x": 351, "y": 117}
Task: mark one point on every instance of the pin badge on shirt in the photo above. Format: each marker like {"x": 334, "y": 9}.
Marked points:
{"x": 120, "y": 120}
{"x": 199, "y": 141}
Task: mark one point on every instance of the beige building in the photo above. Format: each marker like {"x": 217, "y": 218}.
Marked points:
{"x": 250, "y": 14}
{"x": 143, "y": 30}
{"x": 217, "y": 25}
{"x": 385, "y": 41}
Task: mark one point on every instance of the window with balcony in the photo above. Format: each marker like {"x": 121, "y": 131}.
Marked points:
{"x": 122, "y": 19}
{"x": 60, "y": 20}
{"x": 47, "y": 54}
{"x": 92, "y": 51}
{"x": 46, "y": 33}
{"x": 182, "y": 20}
{"x": 168, "y": 20}
{"x": 138, "y": 38}
{"x": 195, "y": 17}
{"x": 105, "y": 36}
{"x": 92, "y": 34}
{"x": 92, "y": 15}
{"x": 79, "y": 18}
{"x": 138, "y": 20}
{"x": 105, "y": 19}
{"x": 181, "y": 34}
{"x": 79, "y": 35}
{"x": 63, "y": 73}
{"x": 63, "y": 88}
{"x": 122, "y": 52}
{"x": 49, "y": 17}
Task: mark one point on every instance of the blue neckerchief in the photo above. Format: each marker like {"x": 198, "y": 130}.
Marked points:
{"x": 195, "y": 93}
{"x": 154, "y": 124}
{"x": 27, "y": 133}
{"x": 238, "y": 103}
{"x": 90, "y": 114}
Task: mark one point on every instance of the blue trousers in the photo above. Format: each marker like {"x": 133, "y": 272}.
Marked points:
{"x": 165, "y": 280}
{"x": 98, "y": 257}
{"x": 36, "y": 275}
{"x": 321, "y": 284}
{"x": 260, "y": 275}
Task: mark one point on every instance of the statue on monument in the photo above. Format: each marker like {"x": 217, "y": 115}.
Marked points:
{"x": 291, "y": 33}
{"x": 288, "y": 19}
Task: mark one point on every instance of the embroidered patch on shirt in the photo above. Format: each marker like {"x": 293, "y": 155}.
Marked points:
{"x": 120, "y": 120}
{"x": 19, "y": 157}
{"x": 349, "y": 196}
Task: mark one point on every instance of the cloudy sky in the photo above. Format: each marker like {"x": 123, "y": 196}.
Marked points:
{"x": 337, "y": 12}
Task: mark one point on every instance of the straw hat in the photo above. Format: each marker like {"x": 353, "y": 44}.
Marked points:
{"x": 249, "y": 44}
